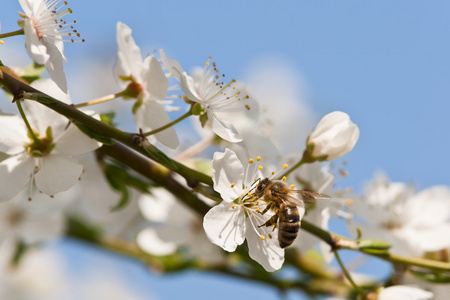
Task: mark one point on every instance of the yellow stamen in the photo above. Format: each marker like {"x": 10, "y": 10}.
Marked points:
{"x": 257, "y": 210}
{"x": 2, "y": 42}
{"x": 260, "y": 167}
{"x": 262, "y": 237}
{"x": 349, "y": 201}
{"x": 270, "y": 236}
{"x": 233, "y": 206}
{"x": 285, "y": 166}
{"x": 233, "y": 184}
{"x": 284, "y": 178}
{"x": 250, "y": 161}
{"x": 258, "y": 158}
{"x": 292, "y": 187}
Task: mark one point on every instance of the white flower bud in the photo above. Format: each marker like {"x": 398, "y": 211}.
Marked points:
{"x": 334, "y": 136}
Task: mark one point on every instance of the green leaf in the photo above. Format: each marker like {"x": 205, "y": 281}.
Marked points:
{"x": 95, "y": 135}
{"x": 33, "y": 72}
{"x": 78, "y": 228}
{"x": 108, "y": 118}
{"x": 159, "y": 156}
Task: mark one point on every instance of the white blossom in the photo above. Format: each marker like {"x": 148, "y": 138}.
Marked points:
{"x": 217, "y": 98}
{"x": 404, "y": 292}
{"x": 334, "y": 136}
{"x": 151, "y": 83}
{"x": 49, "y": 162}
{"x": 412, "y": 223}
{"x": 173, "y": 225}
{"x": 234, "y": 220}
{"x": 44, "y": 32}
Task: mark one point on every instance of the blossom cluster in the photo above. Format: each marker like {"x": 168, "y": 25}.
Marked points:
{"x": 52, "y": 166}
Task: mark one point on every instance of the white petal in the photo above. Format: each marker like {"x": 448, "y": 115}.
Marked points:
{"x": 433, "y": 239}
{"x": 172, "y": 65}
{"x": 404, "y": 292}
{"x": 129, "y": 55}
{"x": 74, "y": 142}
{"x": 188, "y": 87}
{"x": 149, "y": 241}
{"x": 43, "y": 227}
{"x": 49, "y": 87}
{"x": 228, "y": 175}
{"x": 267, "y": 252}
{"x": 13, "y": 134}
{"x": 152, "y": 115}
{"x": 58, "y": 173}
{"x": 36, "y": 49}
{"x": 54, "y": 65}
{"x": 225, "y": 226}
{"x": 157, "y": 206}
{"x": 155, "y": 81}
{"x": 224, "y": 129}
{"x": 15, "y": 173}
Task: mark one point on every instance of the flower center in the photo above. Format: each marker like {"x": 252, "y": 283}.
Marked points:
{"x": 41, "y": 146}
{"x": 47, "y": 22}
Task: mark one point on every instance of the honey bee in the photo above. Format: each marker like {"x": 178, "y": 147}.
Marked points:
{"x": 284, "y": 201}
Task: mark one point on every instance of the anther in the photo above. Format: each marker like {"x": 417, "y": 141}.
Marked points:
{"x": 285, "y": 166}
{"x": 262, "y": 237}
{"x": 233, "y": 184}
{"x": 250, "y": 161}
{"x": 258, "y": 158}
{"x": 260, "y": 167}
{"x": 233, "y": 206}
{"x": 292, "y": 187}
{"x": 270, "y": 236}
{"x": 284, "y": 178}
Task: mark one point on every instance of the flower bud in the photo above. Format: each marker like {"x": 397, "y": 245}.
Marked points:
{"x": 334, "y": 136}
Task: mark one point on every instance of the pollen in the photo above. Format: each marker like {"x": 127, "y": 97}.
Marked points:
{"x": 284, "y": 178}
{"x": 257, "y": 210}
{"x": 233, "y": 184}
{"x": 260, "y": 167}
{"x": 207, "y": 63}
{"x": 2, "y": 42}
{"x": 262, "y": 237}
{"x": 250, "y": 161}
{"x": 285, "y": 166}
{"x": 258, "y": 158}
{"x": 292, "y": 187}
{"x": 233, "y": 206}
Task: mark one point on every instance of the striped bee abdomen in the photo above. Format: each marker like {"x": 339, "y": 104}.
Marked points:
{"x": 288, "y": 224}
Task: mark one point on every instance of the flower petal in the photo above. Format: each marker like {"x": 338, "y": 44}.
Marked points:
{"x": 58, "y": 173}
{"x": 15, "y": 173}
{"x": 13, "y": 134}
{"x": 74, "y": 142}
{"x": 129, "y": 54}
{"x": 228, "y": 175}
{"x": 152, "y": 115}
{"x": 266, "y": 251}
{"x": 224, "y": 129}
{"x": 225, "y": 226}
{"x": 155, "y": 81}
{"x": 54, "y": 64}
{"x": 35, "y": 48}
{"x": 149, "y": 241}
{"x": 404, "y": 292}
{"x": 172, "y": 65}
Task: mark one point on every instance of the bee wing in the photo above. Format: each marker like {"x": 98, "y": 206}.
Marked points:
{"x": 308, "y": 196}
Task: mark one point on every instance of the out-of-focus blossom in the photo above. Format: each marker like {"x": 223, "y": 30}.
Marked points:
{"x": 173, "y": 225}
{"x": 334, "y": 136}
{"x": 149, "y": 84}
{"x": 412, "y": 223}
{"x": 398, "y": 292}
{"x": 45, "y": 33}
{"x": 49, "y": 160}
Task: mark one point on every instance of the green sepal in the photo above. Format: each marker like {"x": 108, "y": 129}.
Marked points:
{"x": 433, "y": 277}
{"x": 108, "y": 118}
{"x": 203, "y": 119}
{"x": 136, "y": 106}
{"x": 95, "y": 135}
{"x": 21, "y": 249}
{"x": 197, "y": 109}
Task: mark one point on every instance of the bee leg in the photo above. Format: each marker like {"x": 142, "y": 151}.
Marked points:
{"x": 266, "y": 209}
{"x": 271, "y": 222}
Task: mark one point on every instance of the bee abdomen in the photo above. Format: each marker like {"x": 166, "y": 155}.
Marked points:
{"x": 288, "y": 225}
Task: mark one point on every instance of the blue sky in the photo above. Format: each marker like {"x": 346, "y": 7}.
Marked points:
{"x": 385, "y": 63}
